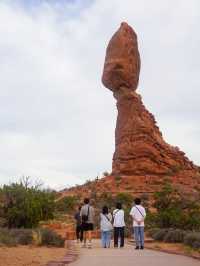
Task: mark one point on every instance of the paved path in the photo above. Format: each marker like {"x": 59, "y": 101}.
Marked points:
{"x": 130, "y": 257}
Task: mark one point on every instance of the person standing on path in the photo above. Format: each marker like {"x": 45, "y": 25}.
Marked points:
{"x": 138, "y": 214}
{"x": 87, "y": 217}
{"x": 106, "y": 227}
{"x": 119, "y": 225}
{"x": 79, "y": 231}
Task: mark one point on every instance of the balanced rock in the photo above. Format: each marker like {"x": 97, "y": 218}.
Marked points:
{"x": 139, "y": 146}
{"x": 122, "y": 62}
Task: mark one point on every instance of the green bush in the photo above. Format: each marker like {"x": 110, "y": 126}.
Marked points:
{"x": 125, "y": 198}
{"x": 51, "y": 238}
{"x": 174, "y": 209}
{"x": 174, "y": 236}
{"x": 67, "y": 204}
{"x": 23, "y": 206}
{"x": 192, "y": 239}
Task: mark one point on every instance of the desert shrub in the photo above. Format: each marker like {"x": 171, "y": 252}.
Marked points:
{"x": 125, "y": 198}
{"x": 150, "y": 232}
{"x": 151, "y": 221}
{"x": 159, "y": 235}
{"x": 6, "y": 239}
{"x": 67, "y": 204}
{"x": 44, "y": 237}
{"x": 174, "y": 236}
{"x": 105, "y": 173}
{"x": 22, "y": 236}
{"x": 104, "y": 198}
{"x": 118, "y": 180}
{"x": 24, "y": 205}
{"x": 192, "y": 239}
{"x": 51, "y": 238}
{"x": 174, "y": 209}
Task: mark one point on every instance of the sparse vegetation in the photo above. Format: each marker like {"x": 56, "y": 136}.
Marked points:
{"x": 51, "y": 238}
{"x": 177, "y": 218}
{"x": 174, "y": 209}
{"x": 43, "y": 237}
{"x": 66, "y": 204}
{"x": 24, "y": 205}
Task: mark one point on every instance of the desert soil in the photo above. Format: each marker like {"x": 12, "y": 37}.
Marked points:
{"x": 29, "y": 256}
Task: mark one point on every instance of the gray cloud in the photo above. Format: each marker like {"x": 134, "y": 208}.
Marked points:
{"x": 57, "y": 120}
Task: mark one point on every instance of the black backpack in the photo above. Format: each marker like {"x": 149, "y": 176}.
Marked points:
{"x": 86, "y": 217}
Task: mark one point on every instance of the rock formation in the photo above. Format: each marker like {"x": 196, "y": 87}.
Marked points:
{"x": 139, "y": 145}
{"x": 142, "y": 161}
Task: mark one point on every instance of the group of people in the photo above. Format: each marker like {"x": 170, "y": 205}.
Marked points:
{"x": 110, "y": 222}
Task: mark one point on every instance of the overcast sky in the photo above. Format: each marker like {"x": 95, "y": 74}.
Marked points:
{"x": 57, "y": 121}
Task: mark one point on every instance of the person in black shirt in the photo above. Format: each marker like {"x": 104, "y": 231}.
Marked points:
{"x": 79, "y": 231}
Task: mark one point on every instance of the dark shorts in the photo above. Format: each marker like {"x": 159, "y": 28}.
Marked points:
{"x": 87, "y": 227}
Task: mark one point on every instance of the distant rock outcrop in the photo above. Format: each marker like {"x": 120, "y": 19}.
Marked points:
{"x": 139, "y": 145}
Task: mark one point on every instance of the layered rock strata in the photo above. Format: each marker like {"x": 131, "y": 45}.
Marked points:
{"x": 139, "y": 146}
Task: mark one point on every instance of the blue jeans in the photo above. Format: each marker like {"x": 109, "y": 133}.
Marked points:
{"x": 139, "y": 235}
{"x": 105, "y": 238}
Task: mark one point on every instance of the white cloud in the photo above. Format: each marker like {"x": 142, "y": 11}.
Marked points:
{"x": 57, "y": 120}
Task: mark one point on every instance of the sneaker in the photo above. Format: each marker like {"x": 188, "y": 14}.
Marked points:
{"x": 137, "y": 247}
{"x": 141, "y": 247}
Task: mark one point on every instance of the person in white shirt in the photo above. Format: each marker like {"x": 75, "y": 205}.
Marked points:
{"x": 106, "y": 227}
{"x": 119, "y": 225}
{"x": 138, "y": 214}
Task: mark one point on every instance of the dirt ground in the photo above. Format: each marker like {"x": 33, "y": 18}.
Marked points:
{"x": 29, "y": 256}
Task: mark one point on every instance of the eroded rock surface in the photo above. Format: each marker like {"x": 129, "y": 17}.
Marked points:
{"x": 122, "y": 62}
{"x": 139, "y": 145}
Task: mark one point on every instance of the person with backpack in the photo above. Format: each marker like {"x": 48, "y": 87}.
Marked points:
{"x": 106, "y": 227}
{"x": 87, "y": 218}
{"x": 138, "y": 214}
{"x": 119, "y": 225}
